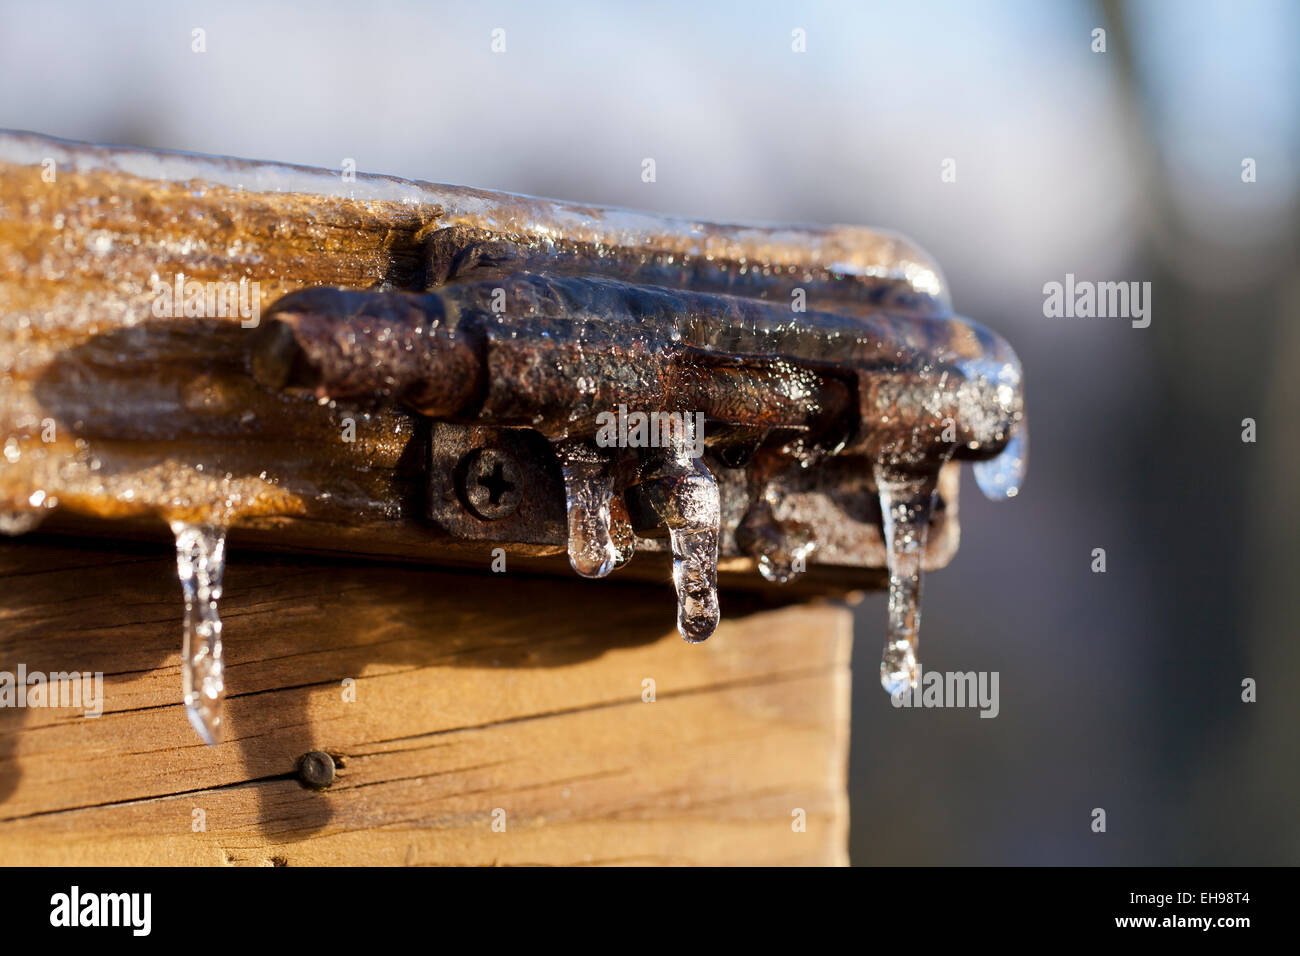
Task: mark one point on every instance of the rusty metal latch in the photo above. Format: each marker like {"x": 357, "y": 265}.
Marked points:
{"x": 607, "y": 402}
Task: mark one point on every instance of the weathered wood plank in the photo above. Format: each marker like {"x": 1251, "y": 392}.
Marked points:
{"x": 472, "y": 693}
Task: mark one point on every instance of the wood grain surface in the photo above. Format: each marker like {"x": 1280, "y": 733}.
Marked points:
{"x": 479, "y": 697}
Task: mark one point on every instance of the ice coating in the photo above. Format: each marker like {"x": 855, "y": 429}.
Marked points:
{"x": 993, "y": 401}
{"x": 200, "y": 562}
{"x": 588, "y": 492}
{"x": 851, "y": 256}
{"x": 1002, "y": 477}
{"x": 905, "y": 503}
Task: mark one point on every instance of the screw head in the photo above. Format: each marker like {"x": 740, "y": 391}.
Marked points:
{"x": 490, "y": 484}
{"x": 316, "y": 769}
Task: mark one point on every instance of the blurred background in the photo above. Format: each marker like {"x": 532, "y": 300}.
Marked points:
{"x": 1119, "y": 690}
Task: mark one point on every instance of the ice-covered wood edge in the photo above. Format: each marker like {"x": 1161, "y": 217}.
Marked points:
{"x": 156, "y": 419}
{"x": 853, "y": 250}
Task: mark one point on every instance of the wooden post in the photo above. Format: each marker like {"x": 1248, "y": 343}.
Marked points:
{"x": 569, "y": 713}
{"x": 474, "y": 718}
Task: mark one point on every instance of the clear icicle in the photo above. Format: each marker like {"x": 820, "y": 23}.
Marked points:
{"x": 588, "y": 490}
{"x": 1001, "y": 477}
{"x": 695, "y": 576}
{"x": 692, "y": 512}
{"x": 200, "y": 561}
{"x": 905, "y": 503}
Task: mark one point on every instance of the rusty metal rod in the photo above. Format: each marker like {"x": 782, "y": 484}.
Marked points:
{"x": 554, "y": 352}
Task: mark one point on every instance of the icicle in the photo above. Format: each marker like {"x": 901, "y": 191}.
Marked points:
{"x": 1001, "y": 477}
{"x": 200, "y": 561}
{"x": 695, "y": 572}
{"x": 690, "y": 509}
{"x": 780, "y": 548}
{"x": 588, "y": 490}
{"x": 905, "y": 503}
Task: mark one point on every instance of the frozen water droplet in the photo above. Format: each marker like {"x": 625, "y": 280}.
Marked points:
{"x": 691, "y": 510}
{"x": 905, "y": 503}
{"x": 200, "y": 562}
{"x": 20, "y": 522}
{"x": 1001, "y": 477}
{"x": 780, "y": 548}
{"x": 783, "y": 565}
{"x": 588, "y": 490}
